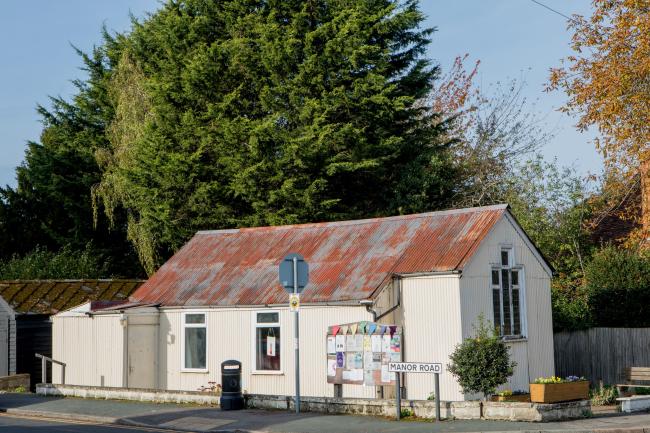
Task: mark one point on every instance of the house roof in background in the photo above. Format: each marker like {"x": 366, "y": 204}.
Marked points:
{"x": 52, "y": 296}
{"x": 347, "y": 260}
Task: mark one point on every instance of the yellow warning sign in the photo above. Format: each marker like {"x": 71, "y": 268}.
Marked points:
{"x": 294, "y": 302}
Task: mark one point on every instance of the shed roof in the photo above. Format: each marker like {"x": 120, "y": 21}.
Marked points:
{"x": 347, "y": 260}
{"x": 52, "y": 296}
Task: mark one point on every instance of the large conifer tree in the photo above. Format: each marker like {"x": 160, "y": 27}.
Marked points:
{"x": 240, "y": 113}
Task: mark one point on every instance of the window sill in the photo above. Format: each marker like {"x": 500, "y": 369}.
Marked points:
{"x": 194, "y": 370}
{"x": 514, "y": 339}
{"x": 268, "y": 372}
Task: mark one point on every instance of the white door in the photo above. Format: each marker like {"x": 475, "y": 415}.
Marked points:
{"x": 142, "y": 356}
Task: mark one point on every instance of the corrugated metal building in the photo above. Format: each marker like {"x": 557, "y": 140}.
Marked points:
{"x": 25, "y": 310}
{"x": 431, "y": 273}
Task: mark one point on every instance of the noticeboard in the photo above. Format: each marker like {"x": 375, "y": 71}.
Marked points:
{"x": 359, "y": 353}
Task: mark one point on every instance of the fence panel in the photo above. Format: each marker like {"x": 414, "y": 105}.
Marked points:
{"x": 601, "y": 353}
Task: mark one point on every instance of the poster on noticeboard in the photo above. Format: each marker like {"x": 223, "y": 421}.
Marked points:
{"x": 359, "y": 353}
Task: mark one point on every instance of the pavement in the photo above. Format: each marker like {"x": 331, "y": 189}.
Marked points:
{"x": 15, "y": 424}
{"x": 207, "y": 419}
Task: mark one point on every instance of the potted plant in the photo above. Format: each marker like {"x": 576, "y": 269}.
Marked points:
{"x": 508, "y": 395}
{"x": 556, "y": 389}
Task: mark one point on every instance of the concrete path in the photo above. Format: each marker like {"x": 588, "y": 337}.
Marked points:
{"x": 205, "y": 419}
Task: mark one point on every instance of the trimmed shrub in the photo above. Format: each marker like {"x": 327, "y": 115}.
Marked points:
{"x": 482, "y": 363}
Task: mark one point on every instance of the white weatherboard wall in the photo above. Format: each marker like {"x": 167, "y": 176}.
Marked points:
{"x": 432, "y": 328}
{"x": 230, "y": 336}
{"x": 534, "y": 355}
{"x": 92, "y": 348}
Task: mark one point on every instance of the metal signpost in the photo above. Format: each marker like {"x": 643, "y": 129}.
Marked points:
{"x": 294, "y": 276}
{"x": 416, "y": 367}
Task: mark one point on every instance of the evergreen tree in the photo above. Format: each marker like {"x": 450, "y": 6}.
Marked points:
{"x": 242, "y": 113}
{"x": 51, "y": 207}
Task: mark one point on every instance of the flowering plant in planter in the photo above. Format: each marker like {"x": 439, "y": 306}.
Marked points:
{"x": 557, "y": 379}
{"x": 556, "y": 389}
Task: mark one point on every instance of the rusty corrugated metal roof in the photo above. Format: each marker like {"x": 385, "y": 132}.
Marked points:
{"x": 52, "y": 296}
{"x": 348, "y": 260}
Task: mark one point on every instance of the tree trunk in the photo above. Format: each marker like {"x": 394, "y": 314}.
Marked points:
{"x": 645, "y": 202}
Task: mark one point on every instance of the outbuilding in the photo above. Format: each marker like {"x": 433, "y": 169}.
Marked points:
{"x": 219, "y": 298}
{"x": 25, "y": 310}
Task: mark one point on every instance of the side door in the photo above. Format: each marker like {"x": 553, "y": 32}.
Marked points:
{"x": 142, "y": 363}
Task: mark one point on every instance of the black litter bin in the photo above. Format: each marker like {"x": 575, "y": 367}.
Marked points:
{"x": 231, "y": 396}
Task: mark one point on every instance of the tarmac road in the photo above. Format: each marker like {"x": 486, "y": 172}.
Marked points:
{"x": 14, "y": 424}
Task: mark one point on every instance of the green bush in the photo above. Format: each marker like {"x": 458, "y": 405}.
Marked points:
{"x": 481, "y": 363}
{"x": 43, "y": 264}
{"x": 618, "y": 288}
{"x": 570, "y": 306}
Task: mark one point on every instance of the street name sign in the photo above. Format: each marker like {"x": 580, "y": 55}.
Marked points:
{"x": 415, "y": 367}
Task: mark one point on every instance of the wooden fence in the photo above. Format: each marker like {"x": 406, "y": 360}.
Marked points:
{"x": 601, "y": 353}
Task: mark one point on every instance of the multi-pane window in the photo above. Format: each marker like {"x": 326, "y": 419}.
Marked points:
{"x": 194, "y": 341}
{"x": 267, "y": 341}
{"x": 506, "y": 299}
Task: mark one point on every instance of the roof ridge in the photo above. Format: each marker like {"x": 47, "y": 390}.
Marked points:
{"x": 81, "y": 280}
{"x": 345, "y": 223}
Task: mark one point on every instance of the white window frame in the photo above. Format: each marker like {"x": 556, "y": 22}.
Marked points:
{"x": 511, "y": 266}
{"x": 254, "y": 327}
{"x": 207, "y": 339}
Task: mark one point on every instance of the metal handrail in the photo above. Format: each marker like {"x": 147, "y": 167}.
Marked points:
{"x": 44, "y": 360}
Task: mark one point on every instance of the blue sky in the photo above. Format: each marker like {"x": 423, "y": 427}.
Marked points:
{"x": 510, "y": 37}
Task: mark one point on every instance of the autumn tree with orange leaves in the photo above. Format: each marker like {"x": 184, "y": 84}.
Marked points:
{"x": 607, "y": 81}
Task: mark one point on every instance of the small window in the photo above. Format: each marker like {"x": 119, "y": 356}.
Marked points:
{"x": 495, "y": 277}
{"x": 505, "y": 258}
{"x": 267, "y": 341}
{"x": 195, "y": 341}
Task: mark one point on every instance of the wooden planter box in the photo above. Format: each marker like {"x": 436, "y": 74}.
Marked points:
{"x": 518, "y": 397}
{"x": 557, "y": 392}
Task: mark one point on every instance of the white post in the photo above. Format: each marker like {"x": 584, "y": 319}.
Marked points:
{"x": 43, "y": 370}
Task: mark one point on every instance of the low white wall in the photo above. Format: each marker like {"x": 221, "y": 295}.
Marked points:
{"x": 358, "y": 406}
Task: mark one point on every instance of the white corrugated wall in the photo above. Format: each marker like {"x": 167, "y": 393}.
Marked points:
{"x": 230, "y": 336}
{"x": 92, "y": 348}
{"x": 432, "y": 328}
{"x": 534, "y": 355}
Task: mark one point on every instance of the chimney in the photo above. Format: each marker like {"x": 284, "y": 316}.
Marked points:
{"x": 645, "y": 200}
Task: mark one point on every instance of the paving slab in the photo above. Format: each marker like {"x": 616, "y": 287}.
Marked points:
{"x": 208, "y": 419}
